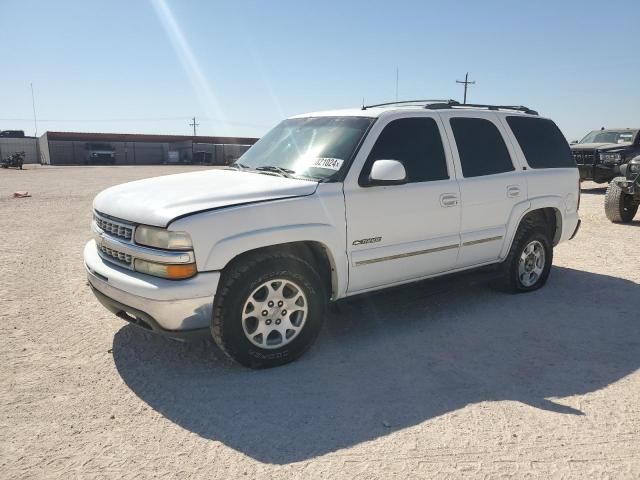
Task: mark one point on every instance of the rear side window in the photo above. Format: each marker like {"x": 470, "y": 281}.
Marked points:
{"x": 481, "y": 147}
{"x": 542, "y": 142}
{"x": 416, "y": 143}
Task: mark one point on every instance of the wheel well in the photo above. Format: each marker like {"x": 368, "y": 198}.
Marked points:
{"x": 549, "y": 217}
{"x": 314, "y": 253}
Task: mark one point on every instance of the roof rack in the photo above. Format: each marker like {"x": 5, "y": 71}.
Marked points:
{"x": 404, "y": 102}
{"x": 441, "y": 104}
{"x": 453, "y": 103}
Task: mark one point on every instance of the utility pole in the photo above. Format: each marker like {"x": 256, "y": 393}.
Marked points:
{"x": 194, "y": 125}
{"x": 35, "y": 119}
{"x": 466, "y": 84}
{"x": 397, "y": 76}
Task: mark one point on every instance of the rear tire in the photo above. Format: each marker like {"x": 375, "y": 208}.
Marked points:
{"x": 619, "y": 206}
{"x": 288, "y": 299}
{"x": 528, "y": 264}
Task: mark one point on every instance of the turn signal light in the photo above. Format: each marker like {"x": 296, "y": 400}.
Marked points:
{"x": 172, "y": 272}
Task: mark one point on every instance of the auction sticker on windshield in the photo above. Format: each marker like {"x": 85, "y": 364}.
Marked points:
{"x": 328, "y": 163}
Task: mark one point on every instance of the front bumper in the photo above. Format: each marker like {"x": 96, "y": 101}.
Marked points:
{"x": 599, "y": 173}
{"x": 175, "y": 308}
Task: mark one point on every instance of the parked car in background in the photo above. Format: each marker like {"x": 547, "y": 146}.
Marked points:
{"x": 100, "y": 154}
{"x": 12, "y": 133}
{"x": 328, "y": 205}
{"x": 600, "y": 153}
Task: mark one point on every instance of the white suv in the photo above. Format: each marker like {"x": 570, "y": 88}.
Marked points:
{"x": 328, "y": 205}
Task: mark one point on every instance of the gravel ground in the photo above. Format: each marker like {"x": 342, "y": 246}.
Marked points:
{"x": 445, "y": 378}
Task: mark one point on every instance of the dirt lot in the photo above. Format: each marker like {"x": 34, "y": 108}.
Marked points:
{"x": 445, "y": 378}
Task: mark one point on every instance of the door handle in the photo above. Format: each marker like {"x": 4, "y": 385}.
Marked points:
{"x": 513, "y": 191}
{"x": 448, "y": 200}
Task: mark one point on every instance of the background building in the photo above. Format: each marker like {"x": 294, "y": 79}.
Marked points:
{"x": 75, "y": 148}
{"x": 14, "y": 141}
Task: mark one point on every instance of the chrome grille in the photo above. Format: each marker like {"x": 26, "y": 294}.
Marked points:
{"x": 120, "y": 257}
{"x": 584, "y": 157}
{"x": 114, "y": 228}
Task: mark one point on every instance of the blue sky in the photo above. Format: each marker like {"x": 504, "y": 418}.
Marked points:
{"x": 241, "y": 66}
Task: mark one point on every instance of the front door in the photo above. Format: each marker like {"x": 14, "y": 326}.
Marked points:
{"x": 397, "y": 233}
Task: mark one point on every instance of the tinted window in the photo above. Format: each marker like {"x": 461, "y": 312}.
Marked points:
{"x": 542, "y": 143}
{"x": 481, "y": 147}
{"x": 416, "y": 143}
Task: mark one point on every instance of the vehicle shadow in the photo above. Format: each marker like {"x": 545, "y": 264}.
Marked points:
{"x": 393, "y": 360}
{"x": 594, "y": 191}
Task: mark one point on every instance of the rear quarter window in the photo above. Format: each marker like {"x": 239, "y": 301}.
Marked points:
{"x": 542, "y": 142}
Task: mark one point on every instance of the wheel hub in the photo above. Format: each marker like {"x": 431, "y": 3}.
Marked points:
{"x": 274, "y": 313}
{"x": 531, "y": 264}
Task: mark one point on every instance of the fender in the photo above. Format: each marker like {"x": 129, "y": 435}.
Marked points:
{"x": 220, "y": 236}
{"x": 521, "y": 209}
{"x": 226, "y": 249}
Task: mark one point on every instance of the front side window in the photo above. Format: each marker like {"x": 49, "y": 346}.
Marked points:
{"x": 309, "y": 147}
{"x": 416, "y": 143}
{"x": 542, "y": 142}
{"x": 481, "y": 147}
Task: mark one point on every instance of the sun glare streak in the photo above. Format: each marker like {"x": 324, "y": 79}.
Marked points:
{"x": 181, "y": 46}
{"x": 258, "y": 63}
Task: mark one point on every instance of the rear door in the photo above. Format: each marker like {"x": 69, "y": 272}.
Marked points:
{"x": 491, "y": 183}
{"x": 397, "y": 233}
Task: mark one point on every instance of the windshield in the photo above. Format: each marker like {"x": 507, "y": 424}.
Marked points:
{"x": 610, "y": 136}
{"x": 311, "y": 147}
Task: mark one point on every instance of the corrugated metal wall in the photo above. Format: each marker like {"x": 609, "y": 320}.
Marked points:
{"x": 29, "y": 146}
{"x": 64, "y": 152}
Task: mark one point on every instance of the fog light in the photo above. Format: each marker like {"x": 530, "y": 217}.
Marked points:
{"x": 170, "y": 271}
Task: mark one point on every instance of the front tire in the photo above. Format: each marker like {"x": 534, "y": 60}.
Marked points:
{"x": 528, "y": 265}
{"x": 268, "y": 310}
{"x": 619, "y": 206}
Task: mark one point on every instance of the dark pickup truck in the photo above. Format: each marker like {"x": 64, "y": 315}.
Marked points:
{"x": 600, "y": 154}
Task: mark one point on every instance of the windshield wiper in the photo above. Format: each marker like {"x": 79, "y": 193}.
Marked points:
{"x": 239, "y": 166}
{"x": 284, "y": 172}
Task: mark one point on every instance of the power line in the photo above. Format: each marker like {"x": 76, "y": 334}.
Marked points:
{"x": 466, "y": 83}
{"x": 157, "y": 119}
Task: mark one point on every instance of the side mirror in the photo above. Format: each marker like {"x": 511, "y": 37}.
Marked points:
{"x": 387, "y": 172}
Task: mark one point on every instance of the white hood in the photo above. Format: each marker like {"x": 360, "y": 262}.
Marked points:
{"x": 157, "y": 201}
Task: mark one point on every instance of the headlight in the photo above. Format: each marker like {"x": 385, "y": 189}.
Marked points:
{"x": 161, "y": 238}
{"x": 611, "y": 157}
{"x": 170, "y": 271}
